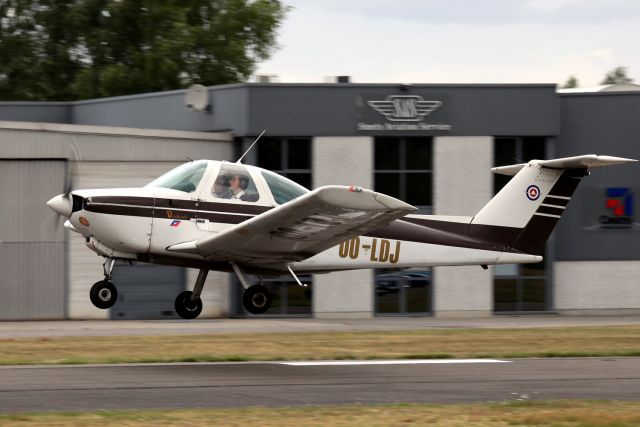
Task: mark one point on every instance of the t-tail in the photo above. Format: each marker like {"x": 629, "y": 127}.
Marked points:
{"x": 525, "y": 212}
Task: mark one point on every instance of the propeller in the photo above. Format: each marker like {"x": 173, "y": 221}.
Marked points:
{"x": 62, "y": 204}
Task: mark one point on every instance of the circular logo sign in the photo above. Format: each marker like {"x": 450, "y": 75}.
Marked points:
{"x": 533, "y": 192}
{"x": 84, "y": 221}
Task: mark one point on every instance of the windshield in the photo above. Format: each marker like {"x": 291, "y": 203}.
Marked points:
{"x": 185, "y": 177}
{"x": 283, "y": 189}
{"x": 234, "y": 182}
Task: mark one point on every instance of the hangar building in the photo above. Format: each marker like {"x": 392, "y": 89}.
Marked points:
{"x": 430, "y": 145}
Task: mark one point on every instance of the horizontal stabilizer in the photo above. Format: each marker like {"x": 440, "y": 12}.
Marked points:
{"x": 576, "y": 162}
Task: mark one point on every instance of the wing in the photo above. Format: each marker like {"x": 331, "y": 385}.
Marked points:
{"x": 301, "y": 228}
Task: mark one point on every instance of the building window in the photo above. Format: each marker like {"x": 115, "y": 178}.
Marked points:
{"x": 403, "y": 169}
{"x": 290, "y": 157}
{"x": 519, "y": 287}
{"x": 403, "y": 292}
{"x": 288, "y": 298}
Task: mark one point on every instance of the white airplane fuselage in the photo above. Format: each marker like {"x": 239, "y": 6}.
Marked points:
{"x": 141, "y": 223}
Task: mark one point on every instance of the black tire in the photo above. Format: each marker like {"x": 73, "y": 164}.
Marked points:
{"x": 257, "y": 299}
{"x": 103, "y": 294}
{"x": 186, "y": 308}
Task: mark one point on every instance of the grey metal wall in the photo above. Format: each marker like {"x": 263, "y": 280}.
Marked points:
{"x": 32, "y": 246}
{"x": 41, "y": 140}
{"x": 320, "y": 109}
{"x": 166, "y": 110}
{"x": 147, "y": 291}
{"x": 601, "y": 123}
{"x": 48, "y": 112}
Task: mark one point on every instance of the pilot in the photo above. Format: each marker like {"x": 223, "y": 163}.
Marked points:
{"x": 238, "y": 184}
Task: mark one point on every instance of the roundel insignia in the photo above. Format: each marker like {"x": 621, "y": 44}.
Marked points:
{"x": 84, "y": 221}
{"x": 533, "y": 192}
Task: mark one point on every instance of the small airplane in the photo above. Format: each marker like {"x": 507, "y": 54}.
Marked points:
{"x": 218, "y": 215}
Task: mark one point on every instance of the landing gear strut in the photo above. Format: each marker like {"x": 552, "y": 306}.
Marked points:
{"x": 257, "y": 298}
{"x": 188, "y": 304}
{"x": 104, "y": 294}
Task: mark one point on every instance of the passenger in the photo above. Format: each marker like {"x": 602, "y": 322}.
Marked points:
{"x": 221, "y": 187}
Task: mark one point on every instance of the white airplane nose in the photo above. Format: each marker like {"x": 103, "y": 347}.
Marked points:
{"x": 61, "y": 204}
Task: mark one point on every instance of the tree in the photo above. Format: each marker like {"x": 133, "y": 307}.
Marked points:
{"x": 78, "y": 49}
{"x": 617, "y": 76}
{"x": 572, "y": 82}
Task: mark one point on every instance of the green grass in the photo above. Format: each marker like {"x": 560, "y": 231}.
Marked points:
{"x": 570, "y": 413}
{"x": 414, "y": 344}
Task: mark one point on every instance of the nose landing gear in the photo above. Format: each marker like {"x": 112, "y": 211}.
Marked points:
{"x": 188, "y": 304}
{"x": 104, "y": 294}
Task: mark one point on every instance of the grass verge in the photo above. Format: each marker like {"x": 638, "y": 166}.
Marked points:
{"x": 572, "y": 413}
{"x": 426, "y": 343}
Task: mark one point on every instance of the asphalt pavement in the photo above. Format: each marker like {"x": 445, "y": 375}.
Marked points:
{"x": 265, "y": 325}
{"x": 211, "y": 385}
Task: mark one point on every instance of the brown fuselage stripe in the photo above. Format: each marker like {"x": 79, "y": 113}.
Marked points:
{"x": 534, "y": 236}
{"x": 555, "y": 201}
{"x": 550, "y": 210}
{"x": 531, "y": 239}
{"x": 486, "y": 237}
{"x": 180, "y": 204}
{"x": 224, "y": 218}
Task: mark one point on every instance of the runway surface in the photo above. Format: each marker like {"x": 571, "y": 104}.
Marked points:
{"x": 262, "y": 325}
{"x": 164, "y": 386}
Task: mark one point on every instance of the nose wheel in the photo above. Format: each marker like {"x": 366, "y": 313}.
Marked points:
{"x": 103, "y": 294}
{"x": 188, "y": 305}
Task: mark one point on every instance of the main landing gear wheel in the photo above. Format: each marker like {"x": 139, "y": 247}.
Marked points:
{"x": 103, "y": 294}
{"x": 257, "y": 299}
{"x": 186, "y": 307}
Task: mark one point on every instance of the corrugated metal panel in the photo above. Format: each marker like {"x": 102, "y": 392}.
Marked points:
{"x": 32, "y": 282}
{"x": 25, "y": 187}
{"x": 27, "y": 144}
{"x": 146, "y": 291}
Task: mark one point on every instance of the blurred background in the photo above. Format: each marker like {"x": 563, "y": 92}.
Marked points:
{"x": 114, "y": 93}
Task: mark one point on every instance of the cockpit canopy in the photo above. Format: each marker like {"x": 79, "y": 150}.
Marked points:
{"x": 185, "y": 177}
{"x": 232, "y": 182}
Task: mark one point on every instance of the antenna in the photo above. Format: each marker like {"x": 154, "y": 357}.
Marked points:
{"x": 239, "y": 161}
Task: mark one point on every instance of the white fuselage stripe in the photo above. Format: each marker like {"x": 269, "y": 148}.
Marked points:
{"x": 553, "y": 206}
{"x": 549, "y": 215}
{"x": 559, "y": 197}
